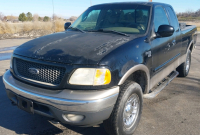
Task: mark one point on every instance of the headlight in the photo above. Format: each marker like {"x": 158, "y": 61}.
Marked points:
{"x": 90, "y": 76}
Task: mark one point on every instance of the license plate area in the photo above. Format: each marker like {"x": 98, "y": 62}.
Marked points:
{"x": 25, "y": 104}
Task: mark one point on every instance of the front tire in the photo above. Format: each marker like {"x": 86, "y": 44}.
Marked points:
{"x": 127, "y": 111}
{"x": 184, "y": 68}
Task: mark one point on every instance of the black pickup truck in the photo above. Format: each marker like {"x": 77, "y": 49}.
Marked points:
{"x": 102, "y": 66}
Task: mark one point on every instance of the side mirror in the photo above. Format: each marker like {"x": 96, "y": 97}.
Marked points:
{"x": 165, "y": 31}
{"x": 67, "y": 24}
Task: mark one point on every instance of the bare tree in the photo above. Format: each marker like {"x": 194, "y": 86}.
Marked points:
{"x": 73, "y": 18}
{"x": 198, "y": 12}
{"x": 35, "y": 17}
{"x": 189, "y": 12}
{"x": 55, "y": 17}
{"x": 5, "y": 19}
{"x": 12, "y": 18}
{"x": 189, "y": 15}
{"x": 1, "y": 16}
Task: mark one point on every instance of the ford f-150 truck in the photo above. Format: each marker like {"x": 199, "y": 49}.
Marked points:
{"x": 102, "y": 66}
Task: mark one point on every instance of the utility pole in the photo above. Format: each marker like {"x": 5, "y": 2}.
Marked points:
{"x": 90, "y": 2}
{"x": 53, "y": 17}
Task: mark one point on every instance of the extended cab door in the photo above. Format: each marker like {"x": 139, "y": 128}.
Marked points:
{"x": 161, "y": 46}
{"x": 176, "y": 45}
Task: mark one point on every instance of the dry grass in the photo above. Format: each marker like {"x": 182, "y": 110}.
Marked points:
{"x": 12, "y": 28}
{"x": 59, "y": 25}
{"x": 197, "y": 23}
{"x": 193, "y": 23}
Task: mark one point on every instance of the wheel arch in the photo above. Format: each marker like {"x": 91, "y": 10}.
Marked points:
{"x": 140, "y": 74}
{"x": 190, "y": 46}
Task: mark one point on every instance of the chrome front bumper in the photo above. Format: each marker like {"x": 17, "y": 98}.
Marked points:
{"x": 84, "y": 101}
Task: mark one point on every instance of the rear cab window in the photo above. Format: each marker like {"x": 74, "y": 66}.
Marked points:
{"x": 160, "y": 17}
{"x": 173, "y": 18}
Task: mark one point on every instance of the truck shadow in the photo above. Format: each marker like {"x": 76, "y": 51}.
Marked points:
{"x": 14, "y": 120}
{"x": 73, "y": 130}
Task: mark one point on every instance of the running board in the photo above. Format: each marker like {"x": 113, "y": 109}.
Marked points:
{"x": 158, "y": 88}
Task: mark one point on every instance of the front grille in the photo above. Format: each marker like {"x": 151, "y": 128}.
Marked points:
{"x": 47, "y": 73}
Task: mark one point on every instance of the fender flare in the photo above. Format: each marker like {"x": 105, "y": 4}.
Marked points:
{"x": 140, "y": 67}
{"x": 191, "y": 43}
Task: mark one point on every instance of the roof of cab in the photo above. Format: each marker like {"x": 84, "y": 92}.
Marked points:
{"x": 141, "y": 3}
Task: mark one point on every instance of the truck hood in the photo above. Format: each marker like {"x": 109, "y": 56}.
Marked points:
{"x": 72, "y": 47}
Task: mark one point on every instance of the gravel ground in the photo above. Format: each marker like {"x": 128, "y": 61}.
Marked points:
{"x": 175, "y": 111}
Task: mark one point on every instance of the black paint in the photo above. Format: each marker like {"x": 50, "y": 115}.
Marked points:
{"x": 73, "y": 49}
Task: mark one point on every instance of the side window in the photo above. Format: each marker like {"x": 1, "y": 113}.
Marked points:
{"x": 160, "y": 17}
{"x": 173, "y": 18}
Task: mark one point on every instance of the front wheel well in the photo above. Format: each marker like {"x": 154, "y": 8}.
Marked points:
{"x": 139, "y": 77}
{"x": 191, "y": 47}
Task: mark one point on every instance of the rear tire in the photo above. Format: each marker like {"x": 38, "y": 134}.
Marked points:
{"x": 126, "y": 114}
{"x": 184, "y": 68}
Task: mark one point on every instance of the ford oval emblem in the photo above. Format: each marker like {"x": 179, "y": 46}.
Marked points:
{"x": 33, "y": 71}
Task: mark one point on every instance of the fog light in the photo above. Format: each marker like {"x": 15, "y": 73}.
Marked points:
{"x": 73, "y": 117}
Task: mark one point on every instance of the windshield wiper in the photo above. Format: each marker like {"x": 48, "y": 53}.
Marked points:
{"x": 112, "y": 31}
{"x": 73, "y": 28}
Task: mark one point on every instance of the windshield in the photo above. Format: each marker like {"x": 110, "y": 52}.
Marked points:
{"x": 126, "y": 18}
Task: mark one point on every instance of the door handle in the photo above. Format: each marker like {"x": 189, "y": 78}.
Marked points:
{"x": 173, "y": 42}
{"x": 167, "y": 48}
{"x": 168, "y": 45}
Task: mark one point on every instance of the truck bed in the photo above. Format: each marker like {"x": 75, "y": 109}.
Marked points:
{"x": 187, "y": 30}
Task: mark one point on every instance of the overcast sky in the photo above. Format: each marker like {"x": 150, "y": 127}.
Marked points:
{"x": 67, "y": 8}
